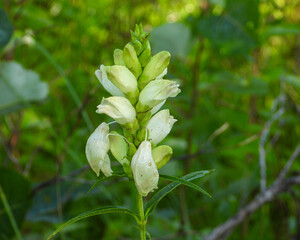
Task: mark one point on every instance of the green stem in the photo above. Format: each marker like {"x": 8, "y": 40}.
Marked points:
{"x": 9, "y": 214}
{"x": 143, "y": 221}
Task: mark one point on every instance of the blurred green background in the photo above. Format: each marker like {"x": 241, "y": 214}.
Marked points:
{"x": 238, "y": 62}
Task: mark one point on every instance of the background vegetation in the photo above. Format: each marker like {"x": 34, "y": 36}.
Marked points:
{"x": 238, "y": 63}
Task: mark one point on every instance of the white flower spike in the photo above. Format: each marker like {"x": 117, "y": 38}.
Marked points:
{"x": 96, "y": 150}
{"x": 144, "y": 169}
{"x": 160, "y": 126}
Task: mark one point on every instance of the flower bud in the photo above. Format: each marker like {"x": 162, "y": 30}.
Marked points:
{"x": 160, "y": 126}
{"x": 154, "y": 68}
{"x": 118, "y": 147}
{"x": 96, "y": 150}
{"x": 161, "y": 155}
{"x": 118, "y": 108}
{"x": 145, "y": 56}
{"x": 155, "y": 93}
{"x": 138, "y": 47}
{"x": 131, "y": 60}
{"x": 106, "y": 83}
{"x": 118, "y": 57}
{"x": 144, "y": 170}
{"x": 123, "y": 79}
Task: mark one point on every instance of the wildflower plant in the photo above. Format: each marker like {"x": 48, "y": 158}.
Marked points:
{"x": 138, "y": 91}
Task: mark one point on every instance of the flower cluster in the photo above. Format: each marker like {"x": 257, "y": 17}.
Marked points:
{"x": 138, "y": 92}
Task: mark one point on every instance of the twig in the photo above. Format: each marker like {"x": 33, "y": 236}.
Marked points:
{"x": 289, "y": 164}
{"x": 276, "y": 188}
{"x": 262, "y": 151}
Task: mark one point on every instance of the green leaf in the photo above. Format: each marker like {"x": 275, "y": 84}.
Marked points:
{"x": 281, "y": 29}
{"x": 173, "y": 37}
{"x": 18, "y": 86}
{"x": 184, "y": 182}
{"x": 6, "y": 29}
{"x": 94, "y": 212}
{"x": 17, "y": 192}
{"x": 120, "y": 174}
{"x": 169, "y": 188}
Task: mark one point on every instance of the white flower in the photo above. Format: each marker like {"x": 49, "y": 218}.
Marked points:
{"x": 160, "y": 126}
{"x": 144, "y": 169}
{"x": 118, "y": 108}
{"x": 96, "y": 150}
{"x": 106, "y": 83}
{"x": 156, "y": 92}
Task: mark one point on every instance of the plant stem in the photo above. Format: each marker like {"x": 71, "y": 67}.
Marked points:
{"x": 143, "y": 221}
{"x": 10, "y": 214}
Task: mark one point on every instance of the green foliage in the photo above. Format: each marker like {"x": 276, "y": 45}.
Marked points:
{"x": 232, "y": 59}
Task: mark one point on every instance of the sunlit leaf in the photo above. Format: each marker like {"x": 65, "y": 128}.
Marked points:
{"x": 19, "y": 86}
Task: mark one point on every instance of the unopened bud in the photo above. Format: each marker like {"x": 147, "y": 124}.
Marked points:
{"x": 118, "y": 147}
{"x": 145, "y": 56}
{"x": 123, "y": 79}
{"x": 154, "y": 68}
{"x": 161, "y": 155}
{"x": 118, "y": 108}
{"x": 118, "y": 57}
{"x": 138, "y": 47}
{"x": 131, "y": 60}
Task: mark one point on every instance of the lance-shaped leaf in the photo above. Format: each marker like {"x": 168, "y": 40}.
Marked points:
{"x": 169, "y": 188}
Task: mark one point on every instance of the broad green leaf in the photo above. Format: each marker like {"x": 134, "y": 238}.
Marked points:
{"x": 169, "y": 188}
{"x": 91, "y": 213}
{"x": 17, "y": 191}
{"x": 173, "y": 37}
{"x": 184, "y": 182}
{"x": 6, "y": 29}
{"x": 107, "y": 179}
{"x": 18, "y": 86}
